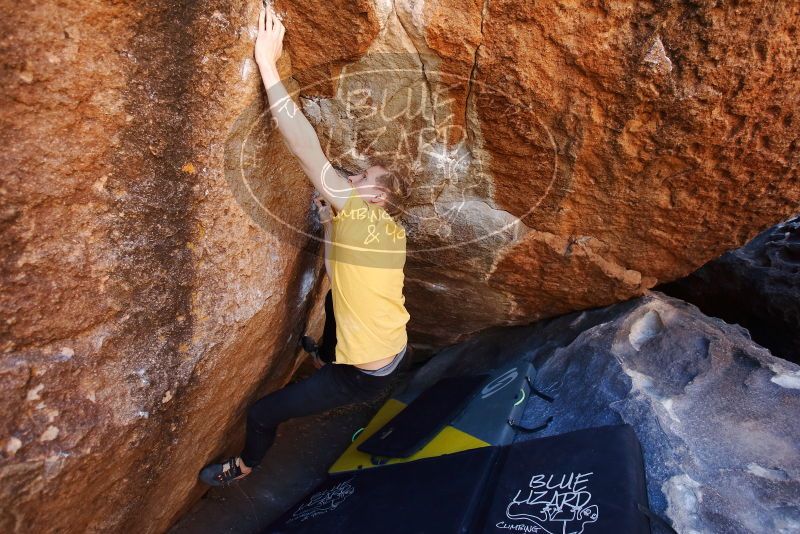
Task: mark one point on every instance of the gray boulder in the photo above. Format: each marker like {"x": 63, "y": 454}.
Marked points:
{"x": 756, "y": 286}
{"x": 716, "y": 414}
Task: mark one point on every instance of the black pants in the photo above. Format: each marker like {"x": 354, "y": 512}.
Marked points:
{"x": 331, "y": 386}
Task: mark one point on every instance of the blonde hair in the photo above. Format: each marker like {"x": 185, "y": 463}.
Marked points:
{"x": 396, "y": 182}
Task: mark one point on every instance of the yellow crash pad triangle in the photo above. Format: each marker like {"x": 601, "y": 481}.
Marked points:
{"x": 449, "y": 440}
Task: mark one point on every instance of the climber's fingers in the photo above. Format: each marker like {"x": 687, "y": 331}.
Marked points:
{"x": 262, "y": 20}
{"x": 275, "y": 19}
{"x": 269, "y": 23}
{"x": 280, "y": 41}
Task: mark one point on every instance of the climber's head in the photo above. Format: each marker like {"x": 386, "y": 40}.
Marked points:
{"x": 382, "y": 184}
{"x": 367, "y": 184}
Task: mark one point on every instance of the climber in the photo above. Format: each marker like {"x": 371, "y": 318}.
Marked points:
{"x": 365, "y": 253}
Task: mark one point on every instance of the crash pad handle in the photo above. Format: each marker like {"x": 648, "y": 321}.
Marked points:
{"x": 529, "y": 429}
{"x": 532, "y": 388}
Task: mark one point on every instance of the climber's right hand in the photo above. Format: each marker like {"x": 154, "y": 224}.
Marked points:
{"x": 324, "y": 210}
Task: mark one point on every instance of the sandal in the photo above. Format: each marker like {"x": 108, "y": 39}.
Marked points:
{"x": 223, "y": 474}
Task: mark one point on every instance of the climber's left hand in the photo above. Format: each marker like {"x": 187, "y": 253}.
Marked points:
{"x": 269, "y": 43}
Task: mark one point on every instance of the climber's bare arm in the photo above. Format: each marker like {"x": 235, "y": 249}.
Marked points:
{"x": 298, "y": 133}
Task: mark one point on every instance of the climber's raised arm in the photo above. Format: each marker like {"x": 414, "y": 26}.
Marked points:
{"x": 298, "y": 133}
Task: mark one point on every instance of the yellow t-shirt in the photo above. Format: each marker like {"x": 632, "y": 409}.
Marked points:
{"x": 368, "y": 253}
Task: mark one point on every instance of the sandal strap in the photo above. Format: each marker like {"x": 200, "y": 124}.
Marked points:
{"x": 232, "y": 472}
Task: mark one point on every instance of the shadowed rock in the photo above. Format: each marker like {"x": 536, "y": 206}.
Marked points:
{"x": 756, "y": 286}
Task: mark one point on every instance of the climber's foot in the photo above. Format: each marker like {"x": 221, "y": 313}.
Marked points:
{"x": 225, "y": 473}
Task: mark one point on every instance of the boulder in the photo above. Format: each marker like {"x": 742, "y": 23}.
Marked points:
{"x": 158, "y": 261}
{"x": 756, "y": 286}
{"x": 142, "y": 306}
{"x": 715, "y": 412}
{"x": 564, "y": 158}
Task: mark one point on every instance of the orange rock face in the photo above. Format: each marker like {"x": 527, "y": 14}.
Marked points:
{"x": 573, "y": 156}
{"x": 142, "y": 305}
{"x": 676, "y": 134}
{"x": 158, "y": 260}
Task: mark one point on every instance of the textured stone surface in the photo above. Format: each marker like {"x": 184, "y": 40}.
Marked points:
{"x": 567, "y": 157}
{"x": 756, "y": 286}
{"x": 142, "y": 306}
{"x": 715, "y": 413}
{"x": 570, "y": 156}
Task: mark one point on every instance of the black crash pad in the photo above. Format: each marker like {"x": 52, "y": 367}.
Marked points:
{"x": 420, "y": 421}
{"x": 434, "y": 495}
{"x": 589, "y": 481}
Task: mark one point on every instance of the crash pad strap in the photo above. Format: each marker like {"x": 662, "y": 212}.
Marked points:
{"x": 530, "y": 429}
{"x": 655, "y": 518}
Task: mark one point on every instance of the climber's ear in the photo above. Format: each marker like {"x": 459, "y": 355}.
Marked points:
{"x": 378, "y": 199}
